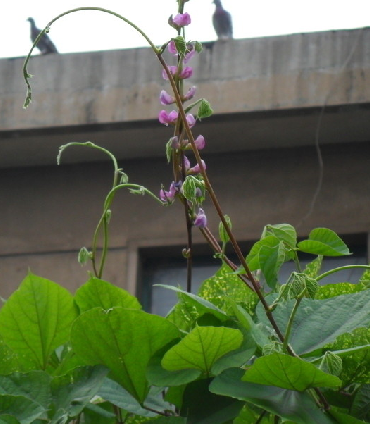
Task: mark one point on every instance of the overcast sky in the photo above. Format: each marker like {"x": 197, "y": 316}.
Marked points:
{"x": 86, "y": 31}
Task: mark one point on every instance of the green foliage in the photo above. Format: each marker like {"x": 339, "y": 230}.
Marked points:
{"x": 323, "y": 241}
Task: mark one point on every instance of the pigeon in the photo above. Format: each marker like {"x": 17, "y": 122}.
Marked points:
{"x": 45, "y": 45}
{"x": 222, "y": 22}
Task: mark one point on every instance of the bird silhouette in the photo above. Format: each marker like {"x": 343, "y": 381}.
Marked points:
{"x": 45, "y": 45}
{"x": 222, "y": 22}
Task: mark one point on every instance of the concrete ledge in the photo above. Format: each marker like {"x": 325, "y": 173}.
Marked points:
{"x": 284, "y": 72}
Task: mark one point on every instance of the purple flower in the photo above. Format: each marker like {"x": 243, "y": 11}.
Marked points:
{"x": 186, "y": 163}
{"x": 174, "y": 142}
{"x": 190, "y": 120}
{"x": 167, "y": 118}
{"x": 172, "y": 48}
{"x": 200, "y": 142}
{"x": 165, "y": 98}
{"x": 190, "y": 94}
{"x": 168, "y": 196}
{"x": 172, "y": 69}
{"x": 201, "y": 219}
{"x": 187, "y": 72}
{"x": 196, "y": 169}
{"x": 182, "y": 19}
{"x": 190, "y": 54}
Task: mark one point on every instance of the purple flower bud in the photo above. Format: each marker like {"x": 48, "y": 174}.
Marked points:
{"x": 182, "y": 19}
{"x": 189, "y": 55}
{"x": 200, "y": 142}
{"x": 190, "y": 120}
{"x": 186, "y": 163}
{"x": 190, "y": 94}
{"x": 165, "y": 98}
{"x": 196, "y": 169}
{"x": 168, "y": 196}
{"x": 175, "y": 142}
{"x": 172, "y": 48}
{"x": 201, "y": 219}
{"x": 167, "y": 118}
{"x": 172, "y": 69}
{"x": 187, "y": 72}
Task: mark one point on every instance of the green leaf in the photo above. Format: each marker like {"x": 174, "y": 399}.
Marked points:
{"x": 99, "y": 414}
{"x": 8, "y": 359}
{"x": 99, "y": 293}
{"x": 331, "y": 363}
{"x": 36, "y": 319}
{"x": 313, "y": 268}
{"x": 123, "y": 340}
{"x": 169, "y": 420}
{"x": 189, "y": 188}
{"x": 354, "y": 350}
{"x": 180, "y": 44}
{"x": 298, "y": 407}
{"x": 200, "y": 406}
{"x": 21, "y": 408}
{"x": 158, "y": 376}
{"x": 237, "y": 357}
{"x": 337, "y": 289}
{"x": 201, "y": 348}
{"x": 114, "y": 393}
{"x": 253, "y": 256}
{"x": 319, "y": 322}
{"x": 342, "y": 418}
{"x": 202, "y": 305}
{"x": 73, "y": 391}
{"x": 289, "y": 373}
{"x": 271, "y": 259}
{"x": 322, "y": 241}
{"x": 361, "y": 403}
{"x": 284, "y": 232}
{"x": 225, "y": 286}
{"x": 222, "y": 231}
{"x": 34, "y": 385}
{"x": 8, "y": 419}
{"x": 204, "y": 110}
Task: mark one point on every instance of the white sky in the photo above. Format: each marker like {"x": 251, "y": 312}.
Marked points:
{"x": 85, "y": 31}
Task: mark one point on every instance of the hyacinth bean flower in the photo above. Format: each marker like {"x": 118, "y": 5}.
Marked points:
{"x": 165, "y": 98}
{"x": 200, "y": 142}
{"x": 168, "y": 196}
{"x": 190, "y": 120}
{"x": 172, "y": 48}
{"x": 190, "y": 93}
{"x": 182, "y": 19}
{"x": 200, "y": 219}
{"x": 196, "y": 169}
{"x": 186, "y": 72}
{"x": 168, "y": 118}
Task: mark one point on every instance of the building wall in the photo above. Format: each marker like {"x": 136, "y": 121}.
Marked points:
{"x": 51, "y": 212}
{"x": 274, "y": 99}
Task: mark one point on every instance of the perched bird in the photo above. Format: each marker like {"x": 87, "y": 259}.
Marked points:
{"x": 222, "y": 22}
{"x": 45, "y": 45}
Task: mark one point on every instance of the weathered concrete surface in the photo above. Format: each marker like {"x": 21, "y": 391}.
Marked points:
{"x": 268, "y": 96}
{"x": 300, "y": 70}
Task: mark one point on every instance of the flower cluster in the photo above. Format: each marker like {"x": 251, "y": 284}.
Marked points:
{"x": 178, "y": 144}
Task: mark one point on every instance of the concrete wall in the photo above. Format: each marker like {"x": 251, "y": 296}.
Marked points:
{"x": 268, "y": 73}
{"x": 260, "y": 151}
